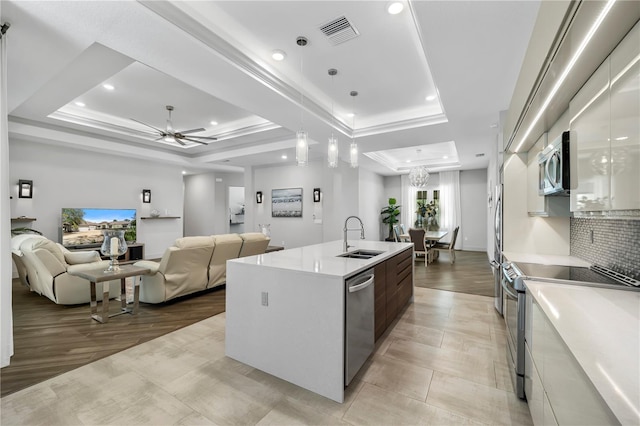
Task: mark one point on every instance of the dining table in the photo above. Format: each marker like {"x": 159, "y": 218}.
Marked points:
{"x": 430, "y": 238}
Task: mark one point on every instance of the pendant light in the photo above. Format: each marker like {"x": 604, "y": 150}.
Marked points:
{"x": 302, "y": 145}
{"x": 419, "y": 176}
{"x": 332, "y": 149}
{"x": 353, "y": 149}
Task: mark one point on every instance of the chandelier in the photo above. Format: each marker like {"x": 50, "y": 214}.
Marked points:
{"x": 419, "y": 176}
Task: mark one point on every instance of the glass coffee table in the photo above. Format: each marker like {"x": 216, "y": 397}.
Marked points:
{"x": 99, "y": 275}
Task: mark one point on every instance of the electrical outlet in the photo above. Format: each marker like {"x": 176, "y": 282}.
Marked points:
{"x": 265, "y": 298}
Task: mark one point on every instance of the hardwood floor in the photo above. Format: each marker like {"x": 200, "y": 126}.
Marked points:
{"x": 471, "y": 273}
{"x": 52, "y": 339}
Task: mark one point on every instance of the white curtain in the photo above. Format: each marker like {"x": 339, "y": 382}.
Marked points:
{"x": 6, "y": 314}
{"x": 450, "y": 213}
{"x": 408, "y": 202}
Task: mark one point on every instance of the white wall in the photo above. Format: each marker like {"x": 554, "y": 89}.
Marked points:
{"x": 290, "y": 231}
{"x": 473, "y": 203}
{"x": 345, "y": 192}
{"x": 522, "y": 233}
{"x": 372, "y": 200}
{"x": 206, "y": 202}
{"x": 65, "y": 177}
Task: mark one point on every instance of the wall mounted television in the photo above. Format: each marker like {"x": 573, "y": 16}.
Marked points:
{"x": 82, "y": 227}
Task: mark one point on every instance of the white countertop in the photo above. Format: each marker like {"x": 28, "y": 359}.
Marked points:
{"x": 545, "y": 259}
{"x": 601, "y": 327}
{"x": 323, "y": 258}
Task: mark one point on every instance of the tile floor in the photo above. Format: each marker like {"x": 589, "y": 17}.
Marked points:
{"x": 443, "y": 362}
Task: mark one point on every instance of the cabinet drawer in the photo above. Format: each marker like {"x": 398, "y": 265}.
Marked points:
{"x": 405, "y": 290}
{"x": 533, "y": 389}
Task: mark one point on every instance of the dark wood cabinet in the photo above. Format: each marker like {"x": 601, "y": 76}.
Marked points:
{"x": 135, "y": 251}
{"x": 393, "y": 289}
{"x": 380, "y": 303}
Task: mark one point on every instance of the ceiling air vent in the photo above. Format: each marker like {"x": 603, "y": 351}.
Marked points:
{"x": 339, "y": 30}
{"x": 480, "y": 155}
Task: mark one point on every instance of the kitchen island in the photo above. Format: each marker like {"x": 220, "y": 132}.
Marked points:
{"x": 285, "y": 311}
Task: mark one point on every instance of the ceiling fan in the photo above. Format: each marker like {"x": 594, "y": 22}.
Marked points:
{"x": 171, "y": 135}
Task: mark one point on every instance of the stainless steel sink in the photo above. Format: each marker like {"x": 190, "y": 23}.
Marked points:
{"x": 361, "y": 254}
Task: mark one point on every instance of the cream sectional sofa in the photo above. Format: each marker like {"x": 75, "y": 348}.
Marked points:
{"x": 195, "y": 264}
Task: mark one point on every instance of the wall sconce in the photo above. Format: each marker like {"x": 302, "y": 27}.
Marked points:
{"x": 146, "y": 195}
{"x": 25, "y": 188}
{"x": 259, "y": 197}
{"x": 316, "y": 195}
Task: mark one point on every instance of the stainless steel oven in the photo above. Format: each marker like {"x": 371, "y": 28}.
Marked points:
{"x": 513, "y": 277}
{"x": 513, "y": 312}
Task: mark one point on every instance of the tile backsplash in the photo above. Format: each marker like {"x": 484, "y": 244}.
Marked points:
{"x": 612, "y": 243}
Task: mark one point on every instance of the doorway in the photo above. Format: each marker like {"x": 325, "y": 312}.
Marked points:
{"x": 236, "y": 209}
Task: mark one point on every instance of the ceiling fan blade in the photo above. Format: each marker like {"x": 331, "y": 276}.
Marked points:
{"x": 211, "y": 138}
{"x": 180, "y": 141}
{"x": 148, "y": 125}
{"x": 184, "y": 132}
{"x": 196, "y": 141}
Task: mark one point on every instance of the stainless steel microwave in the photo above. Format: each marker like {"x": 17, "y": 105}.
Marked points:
{"x": 553, "y": 165}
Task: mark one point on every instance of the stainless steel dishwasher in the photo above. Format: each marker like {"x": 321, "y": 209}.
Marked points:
{"x": 359, "y": 322}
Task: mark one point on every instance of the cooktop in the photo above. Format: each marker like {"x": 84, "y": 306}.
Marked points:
{"x": 572, "y": 273}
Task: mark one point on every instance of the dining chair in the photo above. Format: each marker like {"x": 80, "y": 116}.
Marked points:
{"x": 396, "y": 233}
{"x": 450, "y": 246}
{"x": 419, "y": 246}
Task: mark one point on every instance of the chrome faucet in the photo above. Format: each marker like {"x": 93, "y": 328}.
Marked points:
{"x": 346, "y": 245}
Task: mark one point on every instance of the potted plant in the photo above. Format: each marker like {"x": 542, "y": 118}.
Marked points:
{"x": 427, "y": 215}
{"x": 391, "y": 212}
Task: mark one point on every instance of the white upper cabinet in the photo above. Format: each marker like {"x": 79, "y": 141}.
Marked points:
{"x": 590, "y": 150}
{"x": 625, "y": 123}
{"x": 605, "y": 133}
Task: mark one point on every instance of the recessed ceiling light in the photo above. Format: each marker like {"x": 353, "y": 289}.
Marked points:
{"x": 184, "y": 172}
{"x": 80, "y": 104}
{"x": 622, "y": 138}
{"x": 444, "y": 157}
{"x": 108, "y": 86}
{"x": 284, "y": 156}
{"x": 430, "y": 98}
{"x": 395, "y": 7}
{"x": 213, "y": 123}
{"x": 351, "y": 114}
{"x": 278, "y": 55}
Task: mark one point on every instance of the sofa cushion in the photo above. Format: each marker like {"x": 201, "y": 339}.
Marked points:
{"x": 227, "y": 238}
{"x": 192, "y": 242}
{"x": 48, "y": 245}
{"x": 253, "y": 243}
{"x": 17, "y": 240}
{"x": 227, "y": 247}
{"x": 80, "y": 257}
{"x": 253, "y": 236}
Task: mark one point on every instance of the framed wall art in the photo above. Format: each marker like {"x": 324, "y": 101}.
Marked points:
{"x": 286, "y": 202}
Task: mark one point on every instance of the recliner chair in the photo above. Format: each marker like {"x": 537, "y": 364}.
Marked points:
{"x": 182, "y": 270}
{"x": 47, "y": 269}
